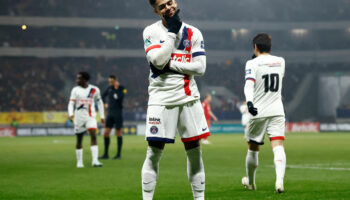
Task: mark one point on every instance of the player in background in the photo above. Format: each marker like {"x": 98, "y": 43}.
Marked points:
{"x": 81, "y": 107}
{"x": 175, "y": 52}
{"x": 263, "y": 87}
{"x": 113, "y": 98}
{"x": 208, "y": 114}
{"x": 243, "y": 108}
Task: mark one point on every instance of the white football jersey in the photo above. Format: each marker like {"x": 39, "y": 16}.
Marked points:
{"x": 173, "y": 88}
{"x": 267, "y": 71}
{"x": 84, "y": 99}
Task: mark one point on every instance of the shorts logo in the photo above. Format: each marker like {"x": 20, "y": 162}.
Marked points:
{"x": 153, "y": 120}
{"x": 187, "y": 43}
{"x": 154, "y": 130}
{"x": 179, "y": 57}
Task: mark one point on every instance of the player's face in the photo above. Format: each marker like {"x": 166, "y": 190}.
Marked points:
{"x": 116, "y": 84}
{"x": 80, "y": 81}
{"x": 165, "y": 7}
{"x": 111, "y": 81}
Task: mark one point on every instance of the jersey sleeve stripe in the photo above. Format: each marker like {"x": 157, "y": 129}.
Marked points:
{"x": 200, "y": 53}
{"x": 250, "y": 79}
{"x": 72, "y": 100}
{"x": 153, "y": 47}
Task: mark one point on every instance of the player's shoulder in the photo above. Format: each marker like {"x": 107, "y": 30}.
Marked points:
{"x": 94, "y": 87}
{"x": 75, "y": 88}
{"x": 152, "y": 28}
{"x": 195, "y": 30}
{"x": 279, "y": 58}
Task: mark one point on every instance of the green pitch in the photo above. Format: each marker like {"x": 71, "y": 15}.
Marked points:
{"x": 44, "y": 168}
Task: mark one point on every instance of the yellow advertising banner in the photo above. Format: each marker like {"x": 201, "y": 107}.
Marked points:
{"x": 21, "y": 117}
{"x": 55, "y": 117}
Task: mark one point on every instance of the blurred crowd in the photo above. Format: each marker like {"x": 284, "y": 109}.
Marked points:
{"x": 110, "y": 38}
{"x": 42, "y": 84}
{"x": 249, "y": 10}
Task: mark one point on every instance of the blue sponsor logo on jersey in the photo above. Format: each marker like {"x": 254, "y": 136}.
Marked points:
{"x": 202, "y": 44}
{"x": 187, "y": 43}
{"x": 154, "y": 130}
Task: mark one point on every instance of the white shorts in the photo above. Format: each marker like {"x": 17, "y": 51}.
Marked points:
{"x": 163, "y": 122}
{"x": 84, "y": 123}
{"x": 257, "y": 128}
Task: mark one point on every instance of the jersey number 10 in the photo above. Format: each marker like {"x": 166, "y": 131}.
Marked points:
{"x": 271, "y": 82}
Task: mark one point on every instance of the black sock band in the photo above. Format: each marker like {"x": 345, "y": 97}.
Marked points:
{"x": 106, "y": 145}
{"x": 120, "y": 144}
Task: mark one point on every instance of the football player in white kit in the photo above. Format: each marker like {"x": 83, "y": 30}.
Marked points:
{"x": 175, "y": 52}
{"x": 81, "y": 107}
{"x": 263, "y": 87}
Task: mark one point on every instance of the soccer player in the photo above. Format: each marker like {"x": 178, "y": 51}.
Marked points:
{"x": 208, "y": 114}
{"x": 175, "y": 52}
{"x": 81, "y": 107}
{"x": 262, "y": 90}
{"x": 115, "y": 96}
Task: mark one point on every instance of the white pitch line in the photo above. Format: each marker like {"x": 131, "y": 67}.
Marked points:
{"x": 320, "y": 168}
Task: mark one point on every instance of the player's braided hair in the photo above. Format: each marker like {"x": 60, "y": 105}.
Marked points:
{"x": 85, "y": 75}
{"x": 263, "y": 41}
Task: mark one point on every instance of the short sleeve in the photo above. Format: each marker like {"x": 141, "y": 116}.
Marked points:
{"x": 250, "y": 71}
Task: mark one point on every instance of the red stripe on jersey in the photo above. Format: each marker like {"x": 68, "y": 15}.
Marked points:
{"x": 93, "y": 92}
{"x": 189, "y": 37}
{"x": 205, "y": 135}
{"x": 187, "y": 85}
{"x": 277, "y": 138}
{"x": 153, "y": 47}
{"x": 72, "y": 100}
{"x": 90, "y": 110}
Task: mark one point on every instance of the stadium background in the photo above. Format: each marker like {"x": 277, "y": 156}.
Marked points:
{"x": 44, "y": 43}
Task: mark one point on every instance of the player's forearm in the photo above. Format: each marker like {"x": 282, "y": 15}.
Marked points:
{"x": 212, "y": 115}
{"x": 70, "y": 108}
{"x": 159, "y": 57}
{"x": 196, "y": 68}
{"x": 249, "y": 90}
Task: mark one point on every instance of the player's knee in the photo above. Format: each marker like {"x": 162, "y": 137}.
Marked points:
{"x": 253, "y": 146}
{"x": 191, "y": 144}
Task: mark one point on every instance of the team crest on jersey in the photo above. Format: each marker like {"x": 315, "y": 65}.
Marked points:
{"x": 148, "y": 41}
{"x": 187, "y": 43}
{"x": 154, "y": 130}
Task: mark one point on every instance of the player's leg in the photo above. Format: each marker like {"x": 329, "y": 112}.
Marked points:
{"x": 150, "y": 168}
{"x": 94, "y": 148}
{"x": 79, "y": 150}
{"x": 107, "y": 131}
{"x": 195, "y": 168}
{"x": 276, "y": 132}
{"x": 91, "y": 126}
{"x": 254, "y": 134}
{"x": 160, "y": 129}
{"x": 106, "y": 138}
{"x": 119, "y": 133}
{"x": 192, "y": 128}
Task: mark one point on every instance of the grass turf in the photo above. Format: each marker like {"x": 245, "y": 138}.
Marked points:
{"x": 44, "y": 168}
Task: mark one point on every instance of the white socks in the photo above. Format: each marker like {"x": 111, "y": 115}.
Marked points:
{"x": 251, "y": 163}
{"x": 280, "y": 163}
{"x": 195, "y": 172}
{"x": 150, "y": 172}
{"x": 94, "y": 153}
{"x": 79, "y": 154}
